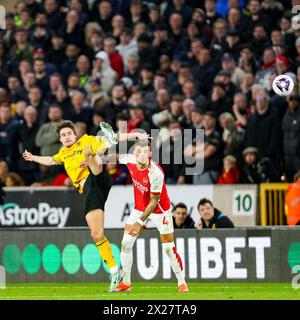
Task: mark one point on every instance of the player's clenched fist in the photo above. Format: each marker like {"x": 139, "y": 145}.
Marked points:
{"x": 27, "y": 156}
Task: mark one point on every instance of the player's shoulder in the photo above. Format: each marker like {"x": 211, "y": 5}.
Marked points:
{"x": 155, "y": 169}
{"x": 127, "y": 158}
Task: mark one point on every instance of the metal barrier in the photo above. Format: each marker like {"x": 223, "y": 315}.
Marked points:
{"x": 272, "y": 204}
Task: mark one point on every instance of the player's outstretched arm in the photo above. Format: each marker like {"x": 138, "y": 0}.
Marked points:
{"x": 46, "y": 161}
{"x": 133, "y": 135}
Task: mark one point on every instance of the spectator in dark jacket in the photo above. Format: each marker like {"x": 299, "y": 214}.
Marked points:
{"x": 291, "y": 137}
{"x": 26, "y": 135}
{"x": 211, "y": 217}
{"x": 263, "y": 128}
{"x": 257, "y": 169}
{"x": 181, "y": 218}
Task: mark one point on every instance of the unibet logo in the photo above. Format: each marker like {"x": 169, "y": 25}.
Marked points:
{"x": 52, "y": 259}
{"x": 12, "y": 215}
{"x": 294, "y": 254}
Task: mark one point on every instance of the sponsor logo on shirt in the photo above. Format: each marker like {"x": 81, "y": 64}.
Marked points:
{"x": 139, "y": 186}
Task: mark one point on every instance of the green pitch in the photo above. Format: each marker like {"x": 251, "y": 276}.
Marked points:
{"x": 150, "y": 291}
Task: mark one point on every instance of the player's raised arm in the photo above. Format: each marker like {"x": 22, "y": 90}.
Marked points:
{"x": 46, "y": 161}
{"x": 133, "y": 135}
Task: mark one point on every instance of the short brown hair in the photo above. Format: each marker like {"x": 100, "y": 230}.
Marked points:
{"x": 65, "y": 124}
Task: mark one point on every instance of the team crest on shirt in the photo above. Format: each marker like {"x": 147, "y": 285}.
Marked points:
{"x": 145, "y": 180}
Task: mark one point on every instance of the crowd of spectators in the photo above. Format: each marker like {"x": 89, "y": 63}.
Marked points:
{"x": 169, "y": 65}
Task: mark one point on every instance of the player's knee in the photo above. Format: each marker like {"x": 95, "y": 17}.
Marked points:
{"x": 168, "y": 247}
{"x": 97, "y": 236}
{"x": 127, "y": 243}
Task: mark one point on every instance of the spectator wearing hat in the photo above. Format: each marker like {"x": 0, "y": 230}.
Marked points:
{"x": 127, "y": 46}
{"x": 204, "y": 72}
{"x": 291, "y": 136}
{"x": 224, "y": 77}
{"x": 97, "y": 97}
{"x": 230, "y": 65}
{"x": 103, "y": 71}
{"x": 283, "y": 67}
{"x": 199, "y": 17}
{"x": 263, "y": 129}
{"x": 211, "y": 217}
{"x": 257, "y": 169}
{"x": 232, "y": 43}
{"x": 211, "y": 149}
{"x": 181, "y": 218}
{"x": 230, "y": 173}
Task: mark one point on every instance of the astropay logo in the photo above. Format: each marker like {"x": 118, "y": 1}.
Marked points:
{"x": 13, "y": 215}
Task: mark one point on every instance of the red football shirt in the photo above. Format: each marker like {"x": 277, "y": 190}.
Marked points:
{"x": 145, "y": 182}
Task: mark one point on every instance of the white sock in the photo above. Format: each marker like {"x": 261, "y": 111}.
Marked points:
{"x": 175, "y": 261}
{"x": 113, "y": 269}
{"x": 127, "y": 257}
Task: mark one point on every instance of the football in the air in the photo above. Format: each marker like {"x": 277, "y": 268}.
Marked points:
{"x": 283, "y": 85}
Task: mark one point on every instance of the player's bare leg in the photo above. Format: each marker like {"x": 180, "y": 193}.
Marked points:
{"x": 126, "y": 260}
{"x": 175, "y": 260}
{"x": 95, "y": 221}
{"x": 94, "y": 162}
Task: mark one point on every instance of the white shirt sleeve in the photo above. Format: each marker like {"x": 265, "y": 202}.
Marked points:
{"x": 156, "y": 178}
{"x": 126, "y": 158}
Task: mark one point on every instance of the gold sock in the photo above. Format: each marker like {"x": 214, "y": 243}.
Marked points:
{"x": 99, "y": 147}
{"x": 106, "y": 254}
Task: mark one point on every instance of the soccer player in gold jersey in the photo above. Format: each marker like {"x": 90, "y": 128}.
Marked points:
{"x": 85, "y": 169}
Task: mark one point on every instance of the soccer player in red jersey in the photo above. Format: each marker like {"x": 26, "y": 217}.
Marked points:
{"x": 151, "y": 201}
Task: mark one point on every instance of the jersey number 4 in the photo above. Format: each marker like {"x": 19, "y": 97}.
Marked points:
{"x": 165, "y": 221}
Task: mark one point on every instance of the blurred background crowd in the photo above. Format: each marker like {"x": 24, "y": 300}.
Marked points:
{"x": 169, "y": 65}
